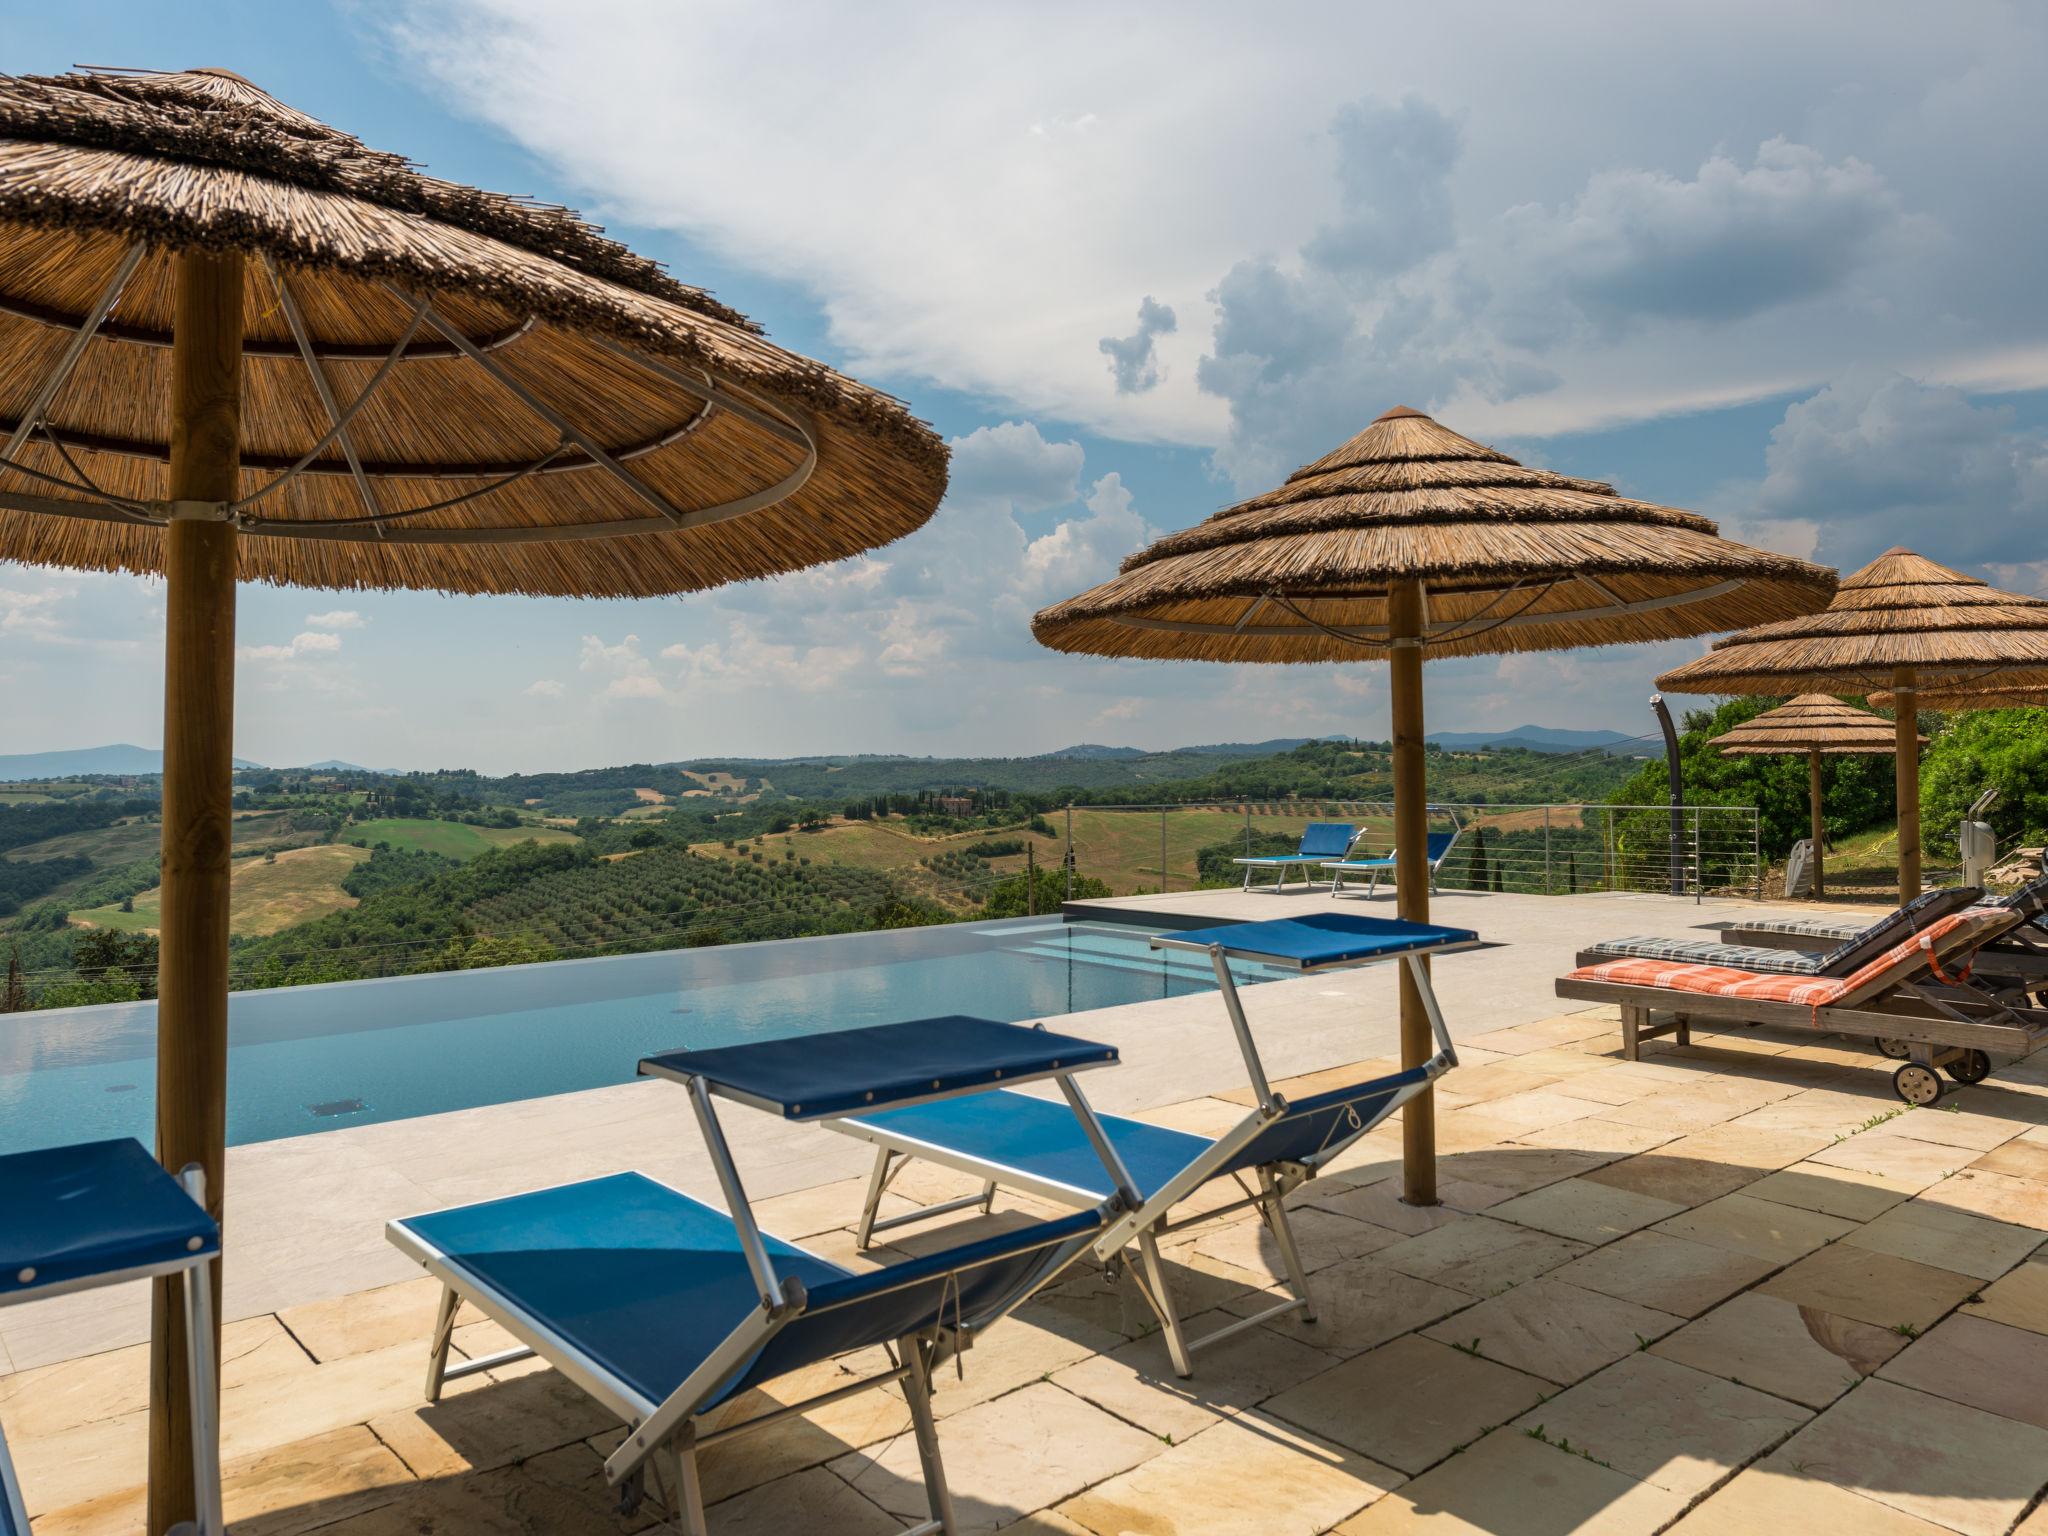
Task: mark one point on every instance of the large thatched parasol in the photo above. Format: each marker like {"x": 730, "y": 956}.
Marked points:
{"x": 1959, "y": 699}
{"x": 236, "y": 344}
{"x": 1815, "y": 726}
{"x": 1409, "y": 540}
{"x": 1898, "y": 624}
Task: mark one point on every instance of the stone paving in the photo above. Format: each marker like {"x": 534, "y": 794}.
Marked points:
{"x": 1733, "y": 1287}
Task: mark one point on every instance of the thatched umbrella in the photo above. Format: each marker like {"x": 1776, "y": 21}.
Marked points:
{"x": 1900, "y": 622}
{"x": 1409, "y": 540}
{"x": 236, "y": 344}
{"x": 1815, "y": 726}
{"x": 1956, "y": 700}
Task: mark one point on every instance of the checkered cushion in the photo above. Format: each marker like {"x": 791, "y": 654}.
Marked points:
{"x": 1908, "y": 955}
{"x": 1919, "y": 913}
{"x": 1734, "y": 957}
{"x": 1832, "y": 929}
{"x": 2030, "y": 900}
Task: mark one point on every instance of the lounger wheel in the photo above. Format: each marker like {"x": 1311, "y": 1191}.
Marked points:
{"x": 1916, "y": 1084}
{"x": 1898, "y": 1050}
{"x": 1969, "y": 1067}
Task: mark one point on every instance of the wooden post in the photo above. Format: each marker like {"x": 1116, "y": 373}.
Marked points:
{"x": 1411, "y": 877}
{"x": 1820, "y": 830}
{"x": 199, "y": 707}
{"x": 1906, "y": 776}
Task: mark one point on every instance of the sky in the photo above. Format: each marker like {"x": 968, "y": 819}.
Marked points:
{"x": 1774, "y": 264}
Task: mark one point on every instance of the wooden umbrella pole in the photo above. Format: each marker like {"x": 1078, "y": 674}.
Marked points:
{"x": 199, "y": 704}
{"x": 1906, "y": 768}
{"x": 1411, "y": 878}
{"x": 1820, "y": 830}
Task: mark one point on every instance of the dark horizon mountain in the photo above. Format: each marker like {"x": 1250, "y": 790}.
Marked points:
{"x": 118, "y": 761}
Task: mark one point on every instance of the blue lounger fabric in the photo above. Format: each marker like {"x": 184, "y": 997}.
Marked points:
{"x": 99, "y": 1208}
{"x": 1322, "y": 1120}
{"x": 810, "y": 1077}
{"x": 1320, "y": 840}
{"x": 637, "y": 1277}
{"x": 1433, "y": 852}
{"x": 1041, "y": 1137}
{"x": 645, "y": 1282}
{"x": 1323, "y": 938}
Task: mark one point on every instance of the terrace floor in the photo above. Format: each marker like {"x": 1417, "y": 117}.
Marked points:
{"x": 1731, "y": 1287}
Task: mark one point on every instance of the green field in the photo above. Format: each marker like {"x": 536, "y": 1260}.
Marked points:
{"x": 264, "y": 896}
{"x": 450, "y": 839}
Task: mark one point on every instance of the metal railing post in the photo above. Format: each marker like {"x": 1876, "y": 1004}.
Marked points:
{"x": 1546, "y": 851}
{"x": 1756, "y": 853}
{"x": 1162, "y": 850}
{"x": 1070, "y": 850}
{"x": 1699, "y": 861}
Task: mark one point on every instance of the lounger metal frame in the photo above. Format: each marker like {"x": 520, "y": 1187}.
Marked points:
{"x": 198, "y": 1295}
{"x": 1916, "y": 1018}
{"x": 1143, "y": 1221}
{"x": 667, "y": 1434}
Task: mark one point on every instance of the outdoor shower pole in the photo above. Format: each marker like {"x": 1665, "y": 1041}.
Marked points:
{"x": 1906, "y": 777}
{"x": 199, "y": 710}
{"x": 1411, "y": 877}
{"x": 1677, "y": 776}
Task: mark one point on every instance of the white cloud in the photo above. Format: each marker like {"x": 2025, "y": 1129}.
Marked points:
{"x": 544, "y": 688}
{"x": 339, "y": 618}
{"x": 307, "y": 644}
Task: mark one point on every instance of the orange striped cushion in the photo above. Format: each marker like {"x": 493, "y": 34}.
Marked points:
{"x": 1813, "y": 991}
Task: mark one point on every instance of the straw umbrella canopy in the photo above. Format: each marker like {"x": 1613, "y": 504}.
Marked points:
{"x": 1958, "y": 699}
{"x": 1814, "y": 726}
{"x": 1898, "y": 624}
{"x": 238, "y": 345}
{"x": 1411, "y": 540}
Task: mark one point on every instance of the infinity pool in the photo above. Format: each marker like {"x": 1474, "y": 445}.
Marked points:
{"x": 304, "y": 1059}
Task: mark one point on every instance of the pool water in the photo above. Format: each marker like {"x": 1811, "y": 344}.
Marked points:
{"x": 305, "y": 1059}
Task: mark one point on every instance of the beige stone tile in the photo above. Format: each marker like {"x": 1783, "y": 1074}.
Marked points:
{"x": 481, "y": 1423}
{"x": 1516, "y": 1169}
{"x": 1537, "y": 1108}
{"x": 811, "y": 1500}
{"x": 1871, "y": 1287}
{"x": 1986, "y": 1365}
{"x": 1503, "y": 1079}
{"x": 803, "y": 1213}
{"x": 1481, "y": 1257}
{"x": 1359, "y": 1304}
{"x": 1948, "y": 1238}
{"x": 1684, "y": 1111}
{"x": 1823, "y": 1112}
{"x": 1379, "y": 1203}
{"x": 1586, "y": 1212}
{"x": 1665, "y": 1423}
{"x": 1957, "y": 1122}
{"x": 281, "y": 1492}
{"x": 1409, "y": 1403}
{"x": 1510, "y": 1482}
{"x": 1321, "y": 1237}
{"x": 367, "y": 1320}
{"x": 512, "y": 1501}
{"x": 1006, "y": 1458}
{"x": 1957, "y": 1466}
{"x": 1919, "y": 1163}
{"x": 1020, "y": 1350}
{"x": 51, "y": 1399}
{"x": 1554, "y": 1330}
{"x": 1136, "y": 1381}
{"x": 1608, "y": 1139}
{"x": 2017, "y": 1160}
{"x": 1200, "y": 1117}
{"x": 1244, "y": 1474}
{"x": 1691, "y": 1170}
{"x": 1758, "y": 1500}
{"x": 1763, "y": 1229}
{"x": 1795, "y": 1352}
{"x": 2021, "y": 1202}
{"x": 1849, "y": 1193}
{"x": 1669, "y": 1274}
{"x": 2019, "y": 1299}
{"x": 1047, "y": 1522}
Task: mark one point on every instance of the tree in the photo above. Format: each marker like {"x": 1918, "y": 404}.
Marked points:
{"x": 1477, "y": 867}
{"x": 1008, "y": 897}
{"x": 2001, "y": 749}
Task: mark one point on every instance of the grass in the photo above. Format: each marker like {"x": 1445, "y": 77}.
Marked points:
{"x": 452, "y": 839}
{"x": 263, "y": 897}
{"x": 122, "y": 843}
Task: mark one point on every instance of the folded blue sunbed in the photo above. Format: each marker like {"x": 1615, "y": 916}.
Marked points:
{"x": 1016, "y": 1141}
{"x": 101, "y": 1213}
{"x": 1435, "y": 852}
{"x": 663, "y": 1307}
{"x": 1320, "y": 840}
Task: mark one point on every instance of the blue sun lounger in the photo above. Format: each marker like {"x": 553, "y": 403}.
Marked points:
{"x": 663, "y": 1307}
{"x": 1016, "y": 1141}
{"x": 101, "y": 1213}
{"x": 1437, "y": 849}
{"x": 1320, "y": 840}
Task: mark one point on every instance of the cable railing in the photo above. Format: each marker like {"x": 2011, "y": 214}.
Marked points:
{"x": 1524, "y": 848}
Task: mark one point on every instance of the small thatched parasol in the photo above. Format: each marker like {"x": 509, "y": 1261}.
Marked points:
{"x": 1412, "y": 539}
{"x": 1900, "y": 622}
{"x": 236, "y": 344}
{"x": 1816, "y": 726}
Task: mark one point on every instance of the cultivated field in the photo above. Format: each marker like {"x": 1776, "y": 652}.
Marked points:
{"x": 263, "y": 897}
{"x": 452, "y": 839}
